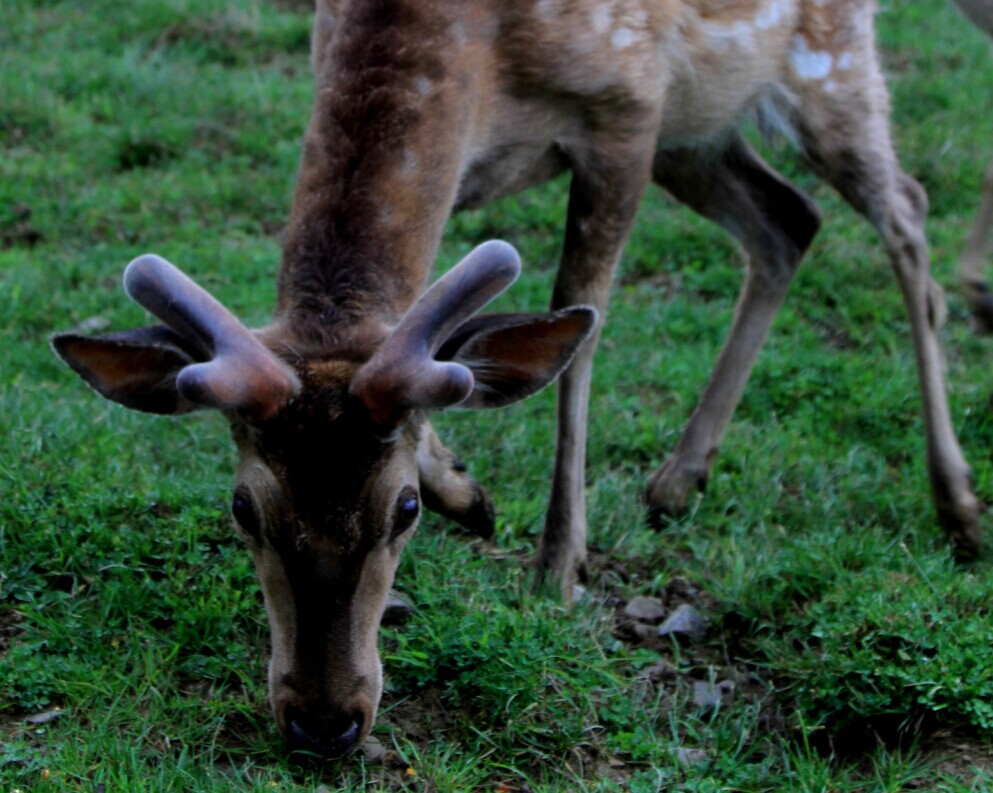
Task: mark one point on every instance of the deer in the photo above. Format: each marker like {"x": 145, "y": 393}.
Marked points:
{"x": 971, "y": 265}
{"x": 427, "y": 107}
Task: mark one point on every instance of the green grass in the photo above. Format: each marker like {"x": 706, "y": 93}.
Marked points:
{"x": 127, "y": 602}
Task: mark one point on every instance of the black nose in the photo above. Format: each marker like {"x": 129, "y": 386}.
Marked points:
{"x": 320, "y": 736}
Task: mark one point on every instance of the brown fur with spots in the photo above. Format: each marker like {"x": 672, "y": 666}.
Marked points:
{"x": 427, "y": 106}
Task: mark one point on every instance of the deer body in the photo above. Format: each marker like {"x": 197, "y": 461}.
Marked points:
{"x": 423, "y": 108}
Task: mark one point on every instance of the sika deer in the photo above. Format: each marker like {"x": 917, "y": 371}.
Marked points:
{"x": 977, "y": 290}
{"x": 425, "y": 107}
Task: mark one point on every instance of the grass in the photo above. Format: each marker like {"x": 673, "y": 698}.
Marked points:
{"x": 858, "y": 653}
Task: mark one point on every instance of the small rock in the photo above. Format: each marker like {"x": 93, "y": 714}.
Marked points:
{"x": 661, "y": 673}
{"x": 641, "y": 631}
{"x": 684, "y": 621}
{"x": 690, "y": 757}
{"x": 44, "y": 718}
{"x": 373, "y": 752}
{"x": 578, "y": 593}
{"x": 397, "y": 612}
{"x": 645, "y": 609}
{"x": 708, "y": 696}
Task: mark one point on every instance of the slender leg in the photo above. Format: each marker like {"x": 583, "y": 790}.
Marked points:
{"x": 775, "y": 223}
{"x": 448, "y": 490}
{"x": 845, "y": 132}
{"x": 977, "y": 289}
{"x": 609, "y": 178}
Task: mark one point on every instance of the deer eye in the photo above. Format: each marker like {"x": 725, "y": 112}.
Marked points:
{"x": 408, "y": 507}
{"x": 243, "y": 509}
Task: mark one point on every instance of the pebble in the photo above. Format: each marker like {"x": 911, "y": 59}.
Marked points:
{"x": 645, "y": 609}
{"x": 708, "y": 696}
{"x": 661, "y": 672}
{"x": 373, "y": 752}
{"x": 44, "y": 718}
{"x": 690, "y": 757}
{"x": 684, "y": 621}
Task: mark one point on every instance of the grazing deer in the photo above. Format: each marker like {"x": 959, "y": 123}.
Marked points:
{"x": 971, "y": 268}
{"x": 424, "y": 107}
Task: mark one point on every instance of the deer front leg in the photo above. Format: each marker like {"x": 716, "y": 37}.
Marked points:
{"x": 448, "y": 490}
{"x": 775, "y": 223}
{"x": 977, "y": 288}
{"x": 608, "y": 181}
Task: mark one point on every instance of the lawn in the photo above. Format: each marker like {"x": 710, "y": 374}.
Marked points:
{"x": 845, "y": 650}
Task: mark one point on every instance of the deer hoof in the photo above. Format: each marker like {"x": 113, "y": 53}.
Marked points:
{"x": 980, "y": 300}
{"x": 958, "y": 510}
{"x": 670, "y": 489}
{"x": 961, "y": 523}
{"x": 561, "y": 575}
{"x": 982, "y": 312}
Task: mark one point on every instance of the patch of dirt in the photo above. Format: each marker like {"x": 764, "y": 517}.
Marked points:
{"x": 961, "y": 757}
{"x": 692, "y": 666}
{"x": 706, "y": 670}
{"x": 16, "y": 229}
{"x": 9, "y": 627}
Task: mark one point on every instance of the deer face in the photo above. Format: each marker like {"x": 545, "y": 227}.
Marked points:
{"x": 332, "y": 453}
{"x": 325, "y": 505}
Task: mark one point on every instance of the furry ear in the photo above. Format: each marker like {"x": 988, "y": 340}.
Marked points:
{"x": 512, "y": 356}
{"x": 135, "y": 368}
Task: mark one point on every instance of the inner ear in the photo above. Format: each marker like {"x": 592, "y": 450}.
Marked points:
{"x": 135, "y": 368}
{"x": 512, "y": 356}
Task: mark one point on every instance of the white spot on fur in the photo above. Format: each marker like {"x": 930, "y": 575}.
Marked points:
{"x": 621, "y": 38}
{"x": 602, "y": 17}
{"x": 809, "y": 64}
{"x": 546, "y": 9}
{"x": 639, "y": 19}
{"x": 770, "y": 15}
{"x": 459, "y": 35}
{"x": 845, "y": 61}
{"x": 737, "y": 36}
{"x": 423, "y": 86}
{"x": 409, "y": 164}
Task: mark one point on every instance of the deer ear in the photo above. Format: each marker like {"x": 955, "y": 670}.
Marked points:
{"x": 512, "y": 356}
{"x": 135, "y": 368}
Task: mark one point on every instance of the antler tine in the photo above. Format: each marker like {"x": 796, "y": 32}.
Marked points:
{"x": 240, "y": 373}
{"x": 482, "y": 275}
{"x": 403, "y": 373}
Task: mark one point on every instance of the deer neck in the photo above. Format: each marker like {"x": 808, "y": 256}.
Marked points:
{"x": 380, "y": 170}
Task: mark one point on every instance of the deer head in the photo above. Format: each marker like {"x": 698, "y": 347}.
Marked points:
{"x": 334, "y": 451}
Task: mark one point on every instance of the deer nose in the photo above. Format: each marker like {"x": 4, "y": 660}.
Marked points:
{"x": 309, "y": 734}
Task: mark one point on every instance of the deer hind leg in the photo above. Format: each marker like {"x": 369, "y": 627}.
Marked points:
{"x": 977, "y": 288}
{"x": 609, "y": 178}
{"x": 775, "y": 224}
{"x": 447, "y": 489}
{"x": 845, "y": 133}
